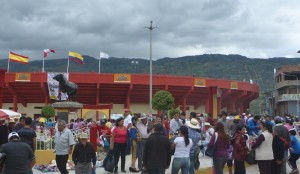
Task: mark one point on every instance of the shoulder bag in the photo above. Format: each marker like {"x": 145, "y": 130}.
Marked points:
{"x": 251, "y": 157}
{"x": 211, "y": 150}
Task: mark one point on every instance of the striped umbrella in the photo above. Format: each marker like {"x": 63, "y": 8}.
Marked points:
{"x": 7, "y": 114}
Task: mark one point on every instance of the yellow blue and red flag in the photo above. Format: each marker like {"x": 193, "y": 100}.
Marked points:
{"x": 76, "y": 57}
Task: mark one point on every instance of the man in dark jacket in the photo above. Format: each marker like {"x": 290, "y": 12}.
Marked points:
{"x": 157, "y": 152}
{"x": 83, "y": 154}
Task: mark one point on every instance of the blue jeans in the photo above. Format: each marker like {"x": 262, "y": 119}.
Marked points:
{"x": 181, "y": 163}
{"x": 192, "y": 164}
{"x": 219, "y": 164}
{"x": 157, "y": 171}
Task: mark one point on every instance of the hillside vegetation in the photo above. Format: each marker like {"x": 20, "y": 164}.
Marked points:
{"x": 234, "y": 67}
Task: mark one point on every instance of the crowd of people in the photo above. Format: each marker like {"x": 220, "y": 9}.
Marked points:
{"x": 153, "y": 142}
{"x": 234, "y": 138}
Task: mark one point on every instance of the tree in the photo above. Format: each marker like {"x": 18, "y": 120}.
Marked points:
{"x": 48, "y": 111}
{"x": 163, "y": 100}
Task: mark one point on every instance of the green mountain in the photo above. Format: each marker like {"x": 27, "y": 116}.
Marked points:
{"x": 234, "y": 67}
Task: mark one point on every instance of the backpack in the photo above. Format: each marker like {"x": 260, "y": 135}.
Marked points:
{"x": 109, "y": 162}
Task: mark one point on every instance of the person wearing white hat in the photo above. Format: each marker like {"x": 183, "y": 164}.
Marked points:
{"x": 208, "y": 134}
{"x": 144, "y": 128}
{"x": 83, "y": 154}
{"x": 194, "y": 135}
{"x": 19, "y": 155}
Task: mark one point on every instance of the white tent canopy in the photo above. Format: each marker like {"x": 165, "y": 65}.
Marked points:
{"x": 7, "y": 114}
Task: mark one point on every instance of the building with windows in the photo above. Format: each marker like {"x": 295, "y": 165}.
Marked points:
{"x": 285, "y": 97}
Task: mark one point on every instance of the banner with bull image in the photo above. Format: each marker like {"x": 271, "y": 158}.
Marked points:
{"x": 53, "y": 86}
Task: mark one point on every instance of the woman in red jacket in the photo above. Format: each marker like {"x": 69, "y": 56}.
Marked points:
{"x": 240, "y": 150}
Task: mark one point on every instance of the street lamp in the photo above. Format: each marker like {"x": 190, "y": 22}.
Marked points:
{"x": 297, "y": 91}
{"x": 135, "y": 63}
{"x": 150, "y": 81}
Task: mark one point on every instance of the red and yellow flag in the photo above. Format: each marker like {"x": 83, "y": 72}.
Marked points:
{"x": 18, "y": 58}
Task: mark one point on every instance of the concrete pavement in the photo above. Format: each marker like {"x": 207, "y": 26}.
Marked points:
{"x": 205, "y": 167}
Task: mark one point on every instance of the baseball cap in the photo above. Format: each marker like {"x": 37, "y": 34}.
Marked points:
{"x": 12, "y": 135}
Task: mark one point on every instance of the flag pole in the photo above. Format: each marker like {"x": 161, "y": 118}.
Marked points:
{"x": 43, "y": 69}
{"x": 68, "y": 64}
{"x": 8, "y": 62}
{"x": 99, "y": 61}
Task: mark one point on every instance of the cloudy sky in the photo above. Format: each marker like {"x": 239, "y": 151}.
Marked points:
{"x": 256, "y": 28}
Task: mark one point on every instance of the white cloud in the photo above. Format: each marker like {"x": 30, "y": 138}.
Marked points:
{"x": 256, "y": 29}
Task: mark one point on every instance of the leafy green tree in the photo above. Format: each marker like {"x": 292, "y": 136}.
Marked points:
{"x": 48, "y": 111}
{"x": 163, "y": 101}
{"x": 173, "y": 111}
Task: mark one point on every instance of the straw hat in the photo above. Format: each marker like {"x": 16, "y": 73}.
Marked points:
{"x": 207, "y": 124}
{"x": 193, "y": 124}
{"x": 11, "y": 120}
{"x": 84, "y": 135}
{"x": 143, "y": 116}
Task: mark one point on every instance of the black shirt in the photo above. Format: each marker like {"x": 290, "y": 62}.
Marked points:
{"x": 18, "y": 156}
{"x": 3, "y": 134}
{"x": 27, "y": 135}
{"x": 157, "y": 152}
{"x": 84, "y": 154}
{"x": 17, "y": 127}
{"x": 278, "y": 148}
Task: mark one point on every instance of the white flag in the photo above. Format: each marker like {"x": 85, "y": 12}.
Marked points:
{"x": 103, "y": 55}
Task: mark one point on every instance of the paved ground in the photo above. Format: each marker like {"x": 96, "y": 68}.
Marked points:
{"x": 205, "y": 167}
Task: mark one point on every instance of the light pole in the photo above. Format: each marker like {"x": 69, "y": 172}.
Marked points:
{"x": 297, "y": 92}
{"x": 135, "y": 63}
{"x": 150, "y": 76}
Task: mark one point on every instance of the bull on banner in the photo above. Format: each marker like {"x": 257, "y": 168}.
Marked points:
{"x": 53, "y": 86}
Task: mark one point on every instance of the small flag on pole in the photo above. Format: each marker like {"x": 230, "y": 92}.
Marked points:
{"x": 103, "y": 55}
{"x": 76, "y": 57}
{"x": 18, "y": 58}
{"x": 46, "y": 51}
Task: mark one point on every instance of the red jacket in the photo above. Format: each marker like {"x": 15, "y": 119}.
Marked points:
{"x": 240, "y": 148}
